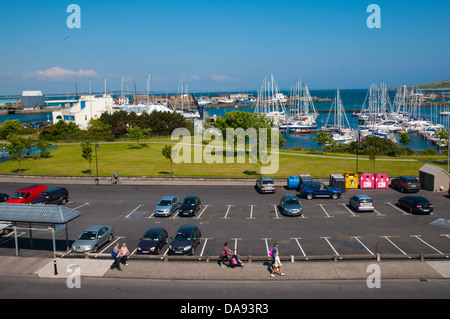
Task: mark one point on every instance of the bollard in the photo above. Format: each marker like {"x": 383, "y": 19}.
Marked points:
{"x": 207, "y": 259}
{"x": 249, "y": 260}
{"x": 378, "y": 257}
{"x": 292, "y": 258}
{"x": 55, "y": 268}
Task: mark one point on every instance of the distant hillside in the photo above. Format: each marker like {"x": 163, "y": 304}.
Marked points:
{"x": 444, "y": 84}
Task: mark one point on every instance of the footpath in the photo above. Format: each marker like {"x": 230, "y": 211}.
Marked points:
{"x": 200, "y": 270}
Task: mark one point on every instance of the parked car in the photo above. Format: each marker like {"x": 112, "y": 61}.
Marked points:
{"x": 92, "y": 239}
{"x": 167, "y": 206}
{"x": 58, "y": 196}
{"x": 290, "y": 205}
{"x": 310, "y": 190}
{"x": 190, "y": 206}
{"x": 416, "y": 204}
{"x": 152, "y": 241}
{"x": 265, "y": 185}
{"x": 406, "y": 184}
{"x": 362, "y": 203}
{"x": 27, "y": 194}
{"x": 3, "y": 197}
{"x": 186, "y": 239}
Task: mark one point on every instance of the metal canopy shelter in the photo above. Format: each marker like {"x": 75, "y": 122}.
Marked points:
{"x": 43, "y": 215}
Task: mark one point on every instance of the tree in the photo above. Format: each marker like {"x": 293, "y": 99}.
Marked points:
{"x": 43, "y": 145}
{"x": 16, "y": 148}
{"x": 167, "y": 153}
{"x": 137, "y": 133}
{"x": 404, "y": 139}
{"x": 10, "y": 127}
{"x": 86, "y": 153}
{"x": 323, "y": 137}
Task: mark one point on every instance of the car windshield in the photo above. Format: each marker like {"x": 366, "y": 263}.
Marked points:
{"x": 267, "y": 181}
{"x": 412, "y": 180}
{"x": 165, "y": 202}
{"x": 18, "y": 195}
{"x": 189, "y": 202}
{"x": 420, "y": 200}
{"x": 182, "y": 236}
{"x": 365, "y": 200}
{"x": 291, "y": 201}
{"x": 44, "y": 195}
{"x": 151, "y": 237}
{"x": 88, "y": 235}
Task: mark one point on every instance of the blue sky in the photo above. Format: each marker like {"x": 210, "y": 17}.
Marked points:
{"x": 225, "y": 46}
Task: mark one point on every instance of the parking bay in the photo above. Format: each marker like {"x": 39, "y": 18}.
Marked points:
{"x": 252, "y": 222}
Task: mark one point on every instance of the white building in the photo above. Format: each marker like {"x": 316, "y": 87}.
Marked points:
{"x": 88, "y": 107}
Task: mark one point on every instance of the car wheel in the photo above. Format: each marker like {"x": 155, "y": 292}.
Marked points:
{"x": 334, "y": 196}
{"x": 309, "y": 196}
{"x": 95, "y": 250}
{"x": 111, "y": 237}
{"x": 402, "y": 189}
{"x": 63, "y": 201}
{"x": 410, "y": 210}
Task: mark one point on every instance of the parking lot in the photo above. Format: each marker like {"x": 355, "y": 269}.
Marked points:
{"x": 251, "y": 222}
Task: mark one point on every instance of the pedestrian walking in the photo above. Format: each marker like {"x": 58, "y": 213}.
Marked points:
{"x": 277, "y": 265}
{"x": 116, "y": 255}
{"x": 224, "y": 254}
{"x": 125, "y": 253}
{"x": 274, "y": 252}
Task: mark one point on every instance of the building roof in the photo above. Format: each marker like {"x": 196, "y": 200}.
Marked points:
{"x": 434, "y": 170}
{"x": 31, "y": 93}
{"x": 38, "y": 214}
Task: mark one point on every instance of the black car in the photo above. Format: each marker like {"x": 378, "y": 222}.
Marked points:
{"x": 190, "y": 206}
{"x": 186, "y": 239}
{"x": 3, "y": 197}
{"x": 152, "y": 241}
{"x": 416, "y": 204}
{"x": 406, "y": 184}
{"x": 57, "y": 195}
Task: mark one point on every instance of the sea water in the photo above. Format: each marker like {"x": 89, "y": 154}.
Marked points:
{"x": 351, "y": 99}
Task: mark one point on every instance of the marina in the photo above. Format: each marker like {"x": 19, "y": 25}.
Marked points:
{"x": 299, "y": 113}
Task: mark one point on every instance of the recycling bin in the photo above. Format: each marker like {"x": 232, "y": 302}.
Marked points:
{"x": 338, "y": 181}
{"x": 381, "y": 181}
{"x": 351, "y": 180}
{"x": 367, "y": 180}
{"x": 303, "y": 178}
{"x": 293, "y": 182}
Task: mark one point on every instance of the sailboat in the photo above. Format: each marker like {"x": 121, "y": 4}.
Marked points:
{"x": 338, "y": 125}
{"x": 269, "y": 102}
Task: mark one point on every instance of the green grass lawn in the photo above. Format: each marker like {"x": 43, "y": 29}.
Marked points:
{"x": 126, "y": 159}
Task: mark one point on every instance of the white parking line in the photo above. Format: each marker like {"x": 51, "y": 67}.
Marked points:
{"x": 251, "y": 212}
{"x": 110, "y": 244}
{"x": 267, "y": 245}
{"x": 203, "y": 248}
{"x": 235, "y": 244}
{"x": 357, "y": 238}
{"x": 80, "y": 206}
{"x": 128, "y": 216}
{"x": 276, "y": 212}
{"x": 445, "y": 235}
{"x": 198, "y": 217}
{"x": 387, "y": 238}
{"x": 376, "y": 212}
{"x": 326, "y": 238}
{"x": 228, "y": 210}
{"x": 353, "y": 215}
{"x": 321, "y": 206}
{"x": 423, "y": 241}
{"x": 303, "y": 252}
{"x": 397, "y": 208}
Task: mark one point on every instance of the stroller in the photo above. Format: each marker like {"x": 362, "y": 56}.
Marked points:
{"x": 236, "y": 261}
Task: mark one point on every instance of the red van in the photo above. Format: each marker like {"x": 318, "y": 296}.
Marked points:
{"x": 26, "y": 195}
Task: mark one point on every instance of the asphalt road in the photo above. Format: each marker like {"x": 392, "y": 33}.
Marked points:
{"x": 251, "y": 222}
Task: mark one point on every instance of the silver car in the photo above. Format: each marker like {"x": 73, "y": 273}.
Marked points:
{"x": 265, "y": 185}
{"x": 92, "y": 238}
{"x": 362, "y": 203}
{"x": 167, "y": 206}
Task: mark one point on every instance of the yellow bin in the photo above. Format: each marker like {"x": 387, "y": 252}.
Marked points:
{"x": 351, "y": 180}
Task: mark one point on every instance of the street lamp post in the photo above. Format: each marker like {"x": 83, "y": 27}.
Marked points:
{"x": 96, "y": 163}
